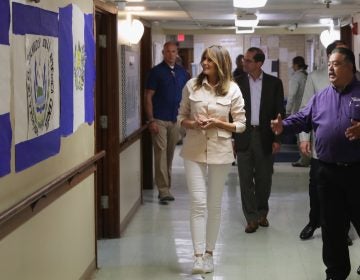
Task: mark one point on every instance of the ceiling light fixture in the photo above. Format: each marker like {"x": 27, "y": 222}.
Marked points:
{"x": 244, "y": 30}
{"x": 130, "y": 31}
{"x": 249, "y": 3}
{"x": 246, "y": 20}
{"x": 134, "y": 8}
{"x": 329, "y": 36}
{"x": 121, "y": 4}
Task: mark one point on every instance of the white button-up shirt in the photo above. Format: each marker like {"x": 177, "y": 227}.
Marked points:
{"x": 212, "y": 146}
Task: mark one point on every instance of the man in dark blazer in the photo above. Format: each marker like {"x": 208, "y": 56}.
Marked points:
{"x": 264, "y": 100}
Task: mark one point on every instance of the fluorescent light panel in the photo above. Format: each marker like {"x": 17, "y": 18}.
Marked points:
{"x": 246, "y": 20}
{"x": 249, "y": 3}
{"x": 134, "y": 8}
{"x": 244, "y": 30}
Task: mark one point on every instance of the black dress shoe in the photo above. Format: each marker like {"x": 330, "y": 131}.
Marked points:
{"x": 358, "y": 270}
{"x": 307, "y": 232}
{"x": 251, "y": 227}
{"x": 298, "y": 164}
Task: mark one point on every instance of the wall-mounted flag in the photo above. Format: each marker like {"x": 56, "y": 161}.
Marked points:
{"x": 36, "y": 85}
{"x": 5, "y": 125}
{"x": 77, "y": 68}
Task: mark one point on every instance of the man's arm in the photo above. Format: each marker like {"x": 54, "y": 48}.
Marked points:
{"x": 149, "y": 93}
{"x": 280, "y": 109}
{"x": 309, "y": 91}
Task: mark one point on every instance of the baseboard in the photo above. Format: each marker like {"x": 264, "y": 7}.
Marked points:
{"x": 125, "y": 222}
{"x": 89, "y": 272}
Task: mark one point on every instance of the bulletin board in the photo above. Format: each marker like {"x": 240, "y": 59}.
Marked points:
{"x": 130, "y": 117}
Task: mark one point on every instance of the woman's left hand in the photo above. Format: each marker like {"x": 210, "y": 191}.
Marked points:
{"x": 208, "y": 123}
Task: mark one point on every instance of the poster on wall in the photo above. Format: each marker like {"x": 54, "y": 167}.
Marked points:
{"x": 130, "y": 97}
{"x": 36, "y": 85}
{"x": 77, "y": 68}
{"x": 5, "y": 125}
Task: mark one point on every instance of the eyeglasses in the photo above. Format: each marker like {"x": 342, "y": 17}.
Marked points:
{"x": 248, "y": 60}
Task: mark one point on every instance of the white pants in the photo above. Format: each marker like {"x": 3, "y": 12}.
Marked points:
{"x": 205, "y": 202}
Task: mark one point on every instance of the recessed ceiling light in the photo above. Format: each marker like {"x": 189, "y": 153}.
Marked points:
{"x": 249, "y": 3}
{"x": 246, "y": 20}
{"x": 326, "y": 21}
{"x": 244, "y": 30}
{"x": 134, "y": 8}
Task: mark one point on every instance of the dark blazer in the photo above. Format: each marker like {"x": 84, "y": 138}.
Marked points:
{"x": 271, "y": 104}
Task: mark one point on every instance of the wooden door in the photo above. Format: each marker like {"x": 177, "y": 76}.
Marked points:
{"x": 107, "y": 120}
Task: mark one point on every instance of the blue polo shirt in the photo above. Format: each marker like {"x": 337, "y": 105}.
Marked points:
{"x": 167, "y": 84}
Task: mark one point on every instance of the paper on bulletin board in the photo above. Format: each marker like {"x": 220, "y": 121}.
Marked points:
{"x": 291, "y": 55}
{"x": 273, "y": 41}
{"x": 255, "y": 42}
{"x": 283, "y": 55}
{"x": 265, "y": 51}
{"x": 198, "y": 50}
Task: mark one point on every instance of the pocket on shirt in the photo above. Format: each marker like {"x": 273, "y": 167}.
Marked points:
{"x": 223, "y": 101}
{"x": 222, "y": 108}
{"x": 222, "y": 133}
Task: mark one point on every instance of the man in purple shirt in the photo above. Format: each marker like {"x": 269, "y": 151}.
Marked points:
{"x": 338, "y": 148}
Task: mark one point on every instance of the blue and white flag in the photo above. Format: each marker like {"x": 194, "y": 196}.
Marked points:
{"x": 77, "y": 68}
{"x": 5, "y": 125}
{"x": 36, "y": 85}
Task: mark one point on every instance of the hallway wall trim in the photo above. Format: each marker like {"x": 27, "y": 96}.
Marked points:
{"x": 126, "y": 221}
{"x": 128, "y": 141}
{"x": 24, "y": 210}
{"x": 89, "y": 272}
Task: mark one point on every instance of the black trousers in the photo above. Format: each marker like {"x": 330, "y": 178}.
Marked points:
{"x": 339, "y": 194}
{"x": 314, "y": 214}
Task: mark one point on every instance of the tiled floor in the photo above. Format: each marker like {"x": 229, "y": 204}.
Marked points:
{"x": 157, "y": 243}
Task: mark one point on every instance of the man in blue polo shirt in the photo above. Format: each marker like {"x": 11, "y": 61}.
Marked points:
{"x": 163, "y": 92}
{"x": 336, "y": 125}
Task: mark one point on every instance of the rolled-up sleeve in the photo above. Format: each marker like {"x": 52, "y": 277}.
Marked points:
{"x": 184, "y": 109}
{"x": 238, "y": 111}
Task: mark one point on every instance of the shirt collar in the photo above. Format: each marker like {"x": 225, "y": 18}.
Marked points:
{"x": 347, "y": 88}
{"x": 206, "y": 83}
{"x": 258, "y": 79}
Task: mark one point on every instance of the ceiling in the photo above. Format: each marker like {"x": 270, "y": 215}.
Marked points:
{"x": 217, "y": 16}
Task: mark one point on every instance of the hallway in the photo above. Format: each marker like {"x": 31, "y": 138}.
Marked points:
{"x": 157, "y": 243}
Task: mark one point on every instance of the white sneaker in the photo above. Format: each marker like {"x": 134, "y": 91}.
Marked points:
{"x": 198, "y": 267}
{"x": 208, "y": 263}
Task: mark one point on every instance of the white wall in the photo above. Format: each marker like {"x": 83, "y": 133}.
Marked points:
{"x": 130, "y": 179}
{"x": 57, "y": 244}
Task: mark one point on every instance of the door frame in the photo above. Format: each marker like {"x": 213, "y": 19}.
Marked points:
{"x": 107, "y": 135}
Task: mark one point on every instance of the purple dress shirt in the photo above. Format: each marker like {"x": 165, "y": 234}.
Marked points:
{"x": 328, "y": 113}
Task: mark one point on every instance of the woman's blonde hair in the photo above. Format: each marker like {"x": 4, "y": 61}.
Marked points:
{"x": 221, "y": 58}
